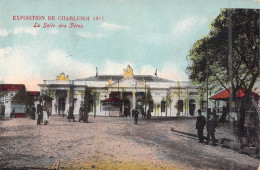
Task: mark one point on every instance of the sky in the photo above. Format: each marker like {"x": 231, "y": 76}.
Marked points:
{"x": 145, "y": 34}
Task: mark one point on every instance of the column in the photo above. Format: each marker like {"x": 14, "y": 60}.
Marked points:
{"x": 67, "y": 102}
{"x": 134, "y": 100}
{"x": 54, "y": 103}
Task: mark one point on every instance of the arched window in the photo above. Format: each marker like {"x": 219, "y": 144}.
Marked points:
{"x": 192, "y": 107}
{"x": 180, "y": 106}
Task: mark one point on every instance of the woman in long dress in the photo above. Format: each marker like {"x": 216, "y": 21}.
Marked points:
{"x": 45, "y": 115}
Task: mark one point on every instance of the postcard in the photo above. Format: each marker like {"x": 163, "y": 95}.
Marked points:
{"x": 129, "y": 84}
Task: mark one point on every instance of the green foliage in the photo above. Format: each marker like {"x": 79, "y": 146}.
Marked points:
{"x": 88, "y": 99}
{"x": 22, "y": 97}
{"x": 210, "y": 57}
{"x": 50, "y": 92}
{"x": 3, "y": 93}
{"x": 149, "y": 95}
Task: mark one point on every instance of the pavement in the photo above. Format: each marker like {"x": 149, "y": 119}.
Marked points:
{"x": 111, "y": 143}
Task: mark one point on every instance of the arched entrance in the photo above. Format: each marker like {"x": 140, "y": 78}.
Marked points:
{"x": 61, "y": 105}
{"x": 139, "y": 104}
{"x": 192, "y": 107}
{"x": 127, "y": 107}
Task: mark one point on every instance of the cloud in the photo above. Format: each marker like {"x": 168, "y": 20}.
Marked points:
{"x": 186, "y": 25}
{"x": 89, "y": 35}
{"x": 27, "y": 30}
{"x": 20, "y": 30}
{"x": 53, "y": 31}
{"x": 59, "y": 61}
{"x": 27, "y": 65}
{"x": 3, "y": 33}
{"x": 110, "y": 26}
{"x": 113, "y": 67}
{"x": 22, "y": 65}
{"x": 17, "y": 66}
{"x": 169, "y": 71}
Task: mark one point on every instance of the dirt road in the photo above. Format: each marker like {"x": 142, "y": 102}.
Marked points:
{"x": 109, "y": 143}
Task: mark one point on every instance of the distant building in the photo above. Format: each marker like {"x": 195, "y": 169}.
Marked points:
{"x": 7, "y": 92}
{"x": 117, "y": 95}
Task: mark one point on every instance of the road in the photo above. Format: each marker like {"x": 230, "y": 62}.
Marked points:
{"x": 110, "y": 143}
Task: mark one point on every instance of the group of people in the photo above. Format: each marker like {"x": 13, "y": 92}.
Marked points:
{"x": 135, "y": 113}
{"x": 211, "y": 125}
{"x": 32, "y": 112}
{"x": 42, "y": 114}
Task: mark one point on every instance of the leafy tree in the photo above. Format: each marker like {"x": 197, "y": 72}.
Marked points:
{"x": 3, "y": 93}
{"x": 95, "y": 97}
{"x": 50, "y": 92}
{"x": 148, "y": 97}
{"x": 168, "y": 101}
{"x": 22, "y": 97}
{"x": 87, "y": 103}
{"x": 229, "y": 55}
{"x": 213, "y": 59}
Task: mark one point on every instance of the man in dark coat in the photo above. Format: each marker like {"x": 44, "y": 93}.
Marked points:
{"x": 211, "y": 125}
{"x": 39, "y": 113}
{"x": 135, "y": 112}
{"x": 143, "y": 113}
{"x": 149, "y": 114}
{"x": 13, "y": 113}
{"x": 70, "y": 114}
{"x": 33, "y": 112}
{"x": 201, "y": 122}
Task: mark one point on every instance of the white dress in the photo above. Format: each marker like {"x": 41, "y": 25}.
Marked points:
{"x": 45, "y": 116}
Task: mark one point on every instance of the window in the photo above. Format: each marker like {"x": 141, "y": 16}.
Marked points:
{"x": 180, "y": 105}
{"x": 163, "y": 105}
{"x": 193, "y": 93}
{"x": 151, "y": 106}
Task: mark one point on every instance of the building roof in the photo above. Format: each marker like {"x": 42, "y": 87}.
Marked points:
{"x": 224, "y": 94}
{"x": 12, "y": 87}
{"x": 147, "y": 78}
{"x": 34, "y": 93}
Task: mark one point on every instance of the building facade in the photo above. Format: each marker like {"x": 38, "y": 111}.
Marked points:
{"x": 117, "y": 95}
{"x": 7, "y": 92}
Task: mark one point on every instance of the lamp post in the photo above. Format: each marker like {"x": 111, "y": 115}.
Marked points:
{"x": 145, "y": 96}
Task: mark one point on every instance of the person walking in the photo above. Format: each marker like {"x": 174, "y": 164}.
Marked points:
{"x": 211, "y": 125}
{"x": 39, "y": 113}
{"x": 81, "y": 113}
{"x": 143, "y": 113}
{"x": 135, "y": 112}
{"x": 149, "y": 114}
{"x": 30, "y": 112}
{"x": 200, "y": 124}
{"x": 13, "y": 113}
{"x": 70, "y": 114}
{"x": 33, "y": 112}
{"x": 45, "y": 116}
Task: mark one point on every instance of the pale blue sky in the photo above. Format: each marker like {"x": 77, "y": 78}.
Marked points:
{"x": 147, "y": 34}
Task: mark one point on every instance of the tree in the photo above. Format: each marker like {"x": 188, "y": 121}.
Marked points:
{"x": 87, "y": 103}
{"x": 50, "y": 92}
{"x": 212, "y": 54}
{"x": 3, "y": 93}
{"x": 229, "y": 55}
{"x": 168, "y": 101}
{"x": 95, "y": 97}
{"x": 22, "y": 97}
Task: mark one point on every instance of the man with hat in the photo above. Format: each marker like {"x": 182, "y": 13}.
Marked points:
{"x": 211, "y": 125}
{"x": 201, "y": 122}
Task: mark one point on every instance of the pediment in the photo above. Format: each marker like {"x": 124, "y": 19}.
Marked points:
{"x": 128, "y": 82}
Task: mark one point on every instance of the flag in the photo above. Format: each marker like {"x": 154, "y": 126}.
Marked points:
{"x": 96, "y": 72}
{"x": 155, "y": 73}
